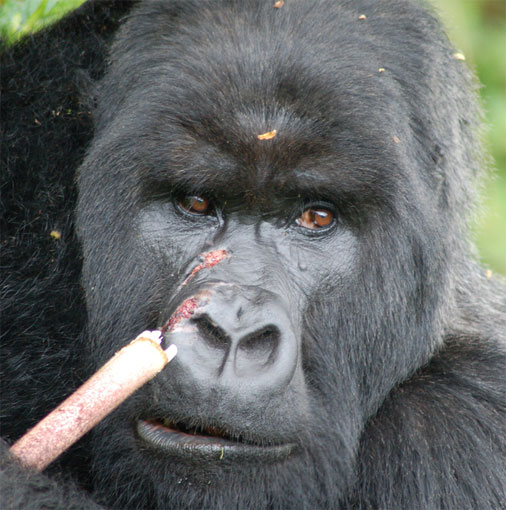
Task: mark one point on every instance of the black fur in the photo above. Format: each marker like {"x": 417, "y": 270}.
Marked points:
{"x": 402, "y": 334}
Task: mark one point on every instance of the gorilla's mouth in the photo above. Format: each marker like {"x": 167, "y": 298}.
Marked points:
{"x": 206, "y": 443}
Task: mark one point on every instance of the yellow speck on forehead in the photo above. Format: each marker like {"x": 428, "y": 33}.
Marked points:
{"x": 267, "y": 136}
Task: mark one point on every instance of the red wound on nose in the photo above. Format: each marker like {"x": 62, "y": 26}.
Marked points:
{"x": 210, "y": 259}
{"x": 188, "y": 307}
{"x": 184, "y": 311}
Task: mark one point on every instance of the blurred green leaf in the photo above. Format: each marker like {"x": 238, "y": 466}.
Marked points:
{"x": 20, "y": 17}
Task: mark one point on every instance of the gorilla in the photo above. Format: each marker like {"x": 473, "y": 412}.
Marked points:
{"x": 295, "y": 179}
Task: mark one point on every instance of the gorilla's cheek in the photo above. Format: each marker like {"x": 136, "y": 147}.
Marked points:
{"x": 158, "y": 232}
{"x": 319, "y": 264}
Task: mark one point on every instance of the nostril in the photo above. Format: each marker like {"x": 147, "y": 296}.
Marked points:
{"x": 262, "y": 343}
{"x": 211, "y": 332}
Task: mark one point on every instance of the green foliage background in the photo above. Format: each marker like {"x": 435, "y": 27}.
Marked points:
{"x": 477, "y": 28}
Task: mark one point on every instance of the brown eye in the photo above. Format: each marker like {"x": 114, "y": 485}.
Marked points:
{"x": 315, "y": 218}
{"x": 194, "y": 204}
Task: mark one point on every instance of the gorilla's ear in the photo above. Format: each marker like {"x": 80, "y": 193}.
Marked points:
{"x": 44, "y": 120}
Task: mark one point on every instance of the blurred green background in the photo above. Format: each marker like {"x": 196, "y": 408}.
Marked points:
{"x": 476, "y": 27}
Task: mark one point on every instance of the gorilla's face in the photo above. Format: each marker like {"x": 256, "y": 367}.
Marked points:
{"x": 290, "y": 270}
{"x": 245, "y": 281}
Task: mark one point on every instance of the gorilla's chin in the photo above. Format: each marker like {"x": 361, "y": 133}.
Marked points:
{"x": 207, "y": 443}
{"x": 198, "y": 468}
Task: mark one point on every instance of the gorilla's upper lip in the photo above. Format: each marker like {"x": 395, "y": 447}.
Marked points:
{"x": 209, "y": 443}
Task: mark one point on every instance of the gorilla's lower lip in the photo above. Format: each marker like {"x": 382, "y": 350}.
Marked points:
{"x": 203, "y": 447}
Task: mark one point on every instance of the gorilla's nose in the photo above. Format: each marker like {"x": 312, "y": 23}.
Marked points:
{"x": 240, "y": 337}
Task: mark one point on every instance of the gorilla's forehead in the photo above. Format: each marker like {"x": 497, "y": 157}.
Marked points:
{"x": 203, "y": 85}
{"x": 226, "y": 157}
